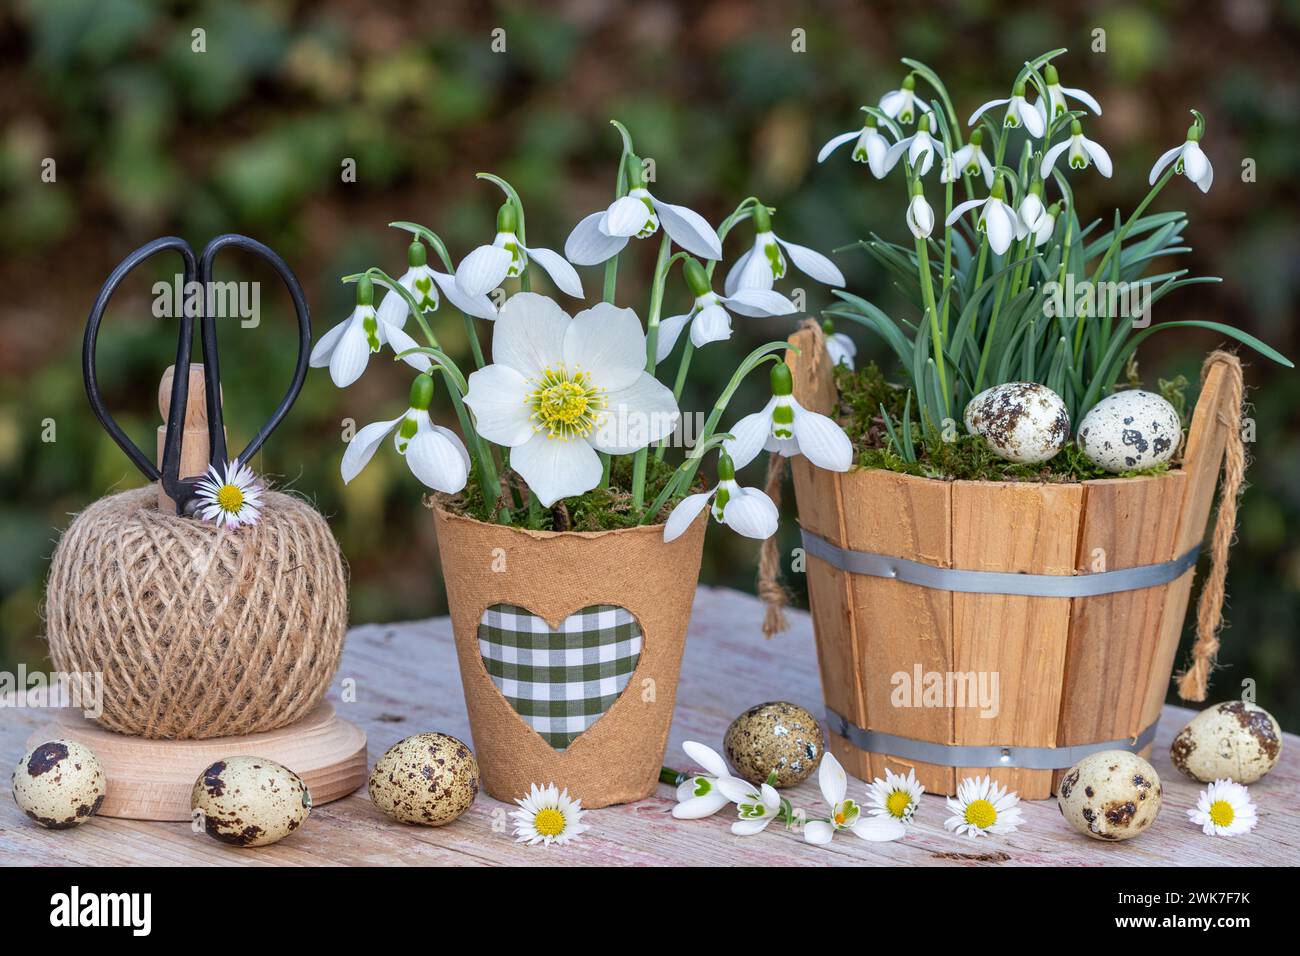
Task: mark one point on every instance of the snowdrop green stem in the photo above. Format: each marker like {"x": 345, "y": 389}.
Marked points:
{"x": 651, "y": 346}
{"x": 1118, "y": 241}
{"x": 429, "y": 236}
{"x": 685, "y": 473}
{"x": 927, "y": 290}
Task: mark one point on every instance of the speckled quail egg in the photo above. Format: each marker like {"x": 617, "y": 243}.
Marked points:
{"x": 1235, "y": 740}
{"x": 1111, "y": 795}
{"x": 427, "y": 778}
{"x": 60, "y": 784}
{"x": 1131, "y": 430}
{"x": 777, "y": 736}
{"x": 1023, "y": 422}
{"x": 250, "y": 801}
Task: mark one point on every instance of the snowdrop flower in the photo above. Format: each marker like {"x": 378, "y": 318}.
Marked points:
{"x": 1056, "y": 94}
{"x": 559, "y": 390}
{"x": 902, "y": 104}
{"x": 434, "y": 454}
{"x": 1224, "y": 808}
{"x": 981, "y": 807}
{"x": 997, "y": 220}
{"x": 347, "y": 347}
{"x": 896, "y": 796}
{"x": 921, "y": 148}
{"x": 920, "y": 217}
{"x": 699, "y": 796}
{"x": 842, "y": 349}
{"x": 710, "y": 317}
{"x": 786, "y": 427}
{"x": 1082, "y": 151}
{"x": 969, "y": 159}
{"x": 756, "y": 806}
{"x": 548, "y": 815}
{"x": 1188, "y": 159}
{"x": 1046, "y": 225}
{"x": 845, "y": 813}
{"x": 746, "y": 511}
{"x": 762, "y": 265}
{"x": 487, "y": 267}
{"x": 602, "y": 235}
{"x": 231, "y": 499}
{"x": 424, "y": 282}
{"x": 870, "y": 148}
{"x": 1032, "y": 210}
{"x": 1019, "y": 113}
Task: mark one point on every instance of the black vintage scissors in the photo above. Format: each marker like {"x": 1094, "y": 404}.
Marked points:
{"x": 182, "y": 488}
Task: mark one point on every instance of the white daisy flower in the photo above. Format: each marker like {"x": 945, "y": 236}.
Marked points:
{"x": 842, "y": 349}
{"x": 487, "y": 267}
{"x": 561, "y": 389}
{"x": 232, "y": 499}
{"x": 997, "y": 220}
{"x": 548, "y": 815}
{"x": 969, "y": 159}
{"x": 1082, "y": 152}
{"x": 1056, "y": 94}
{"x": 871, "y": 147}
{"x": 981, "y": 807}
{"x": 1188, "y": 159}
{"x": 710, "y": 314}
{"x": 699, "y": 796}
{"x": 846, "y": 814}
{"x": 746, "y": 511}
{"x": 602, "y": 235}
{"x": 903, "y": 104}
{"x": 1224, "y": 808}
{"x": 762, "y": 265}
{"x": 434, "y": 454}
{"x": 896, "y": 796}
{"x": 786, "y": 427}
{"x": 756, "y": 807}
{"x": 920, "y": 214}
{"x": 1019, "y": 113}
{"x": 921, "y": 149}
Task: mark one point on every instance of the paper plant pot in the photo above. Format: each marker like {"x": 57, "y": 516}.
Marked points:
{"x": 903, "y": 650}
{"x": 570, "y": 645}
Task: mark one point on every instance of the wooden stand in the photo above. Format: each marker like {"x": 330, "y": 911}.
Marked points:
{"x": 152, "y": 779}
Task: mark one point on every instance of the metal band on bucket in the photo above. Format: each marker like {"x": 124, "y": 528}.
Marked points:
{"x": 961, "y": 755}
{"x": 998, "y": 582}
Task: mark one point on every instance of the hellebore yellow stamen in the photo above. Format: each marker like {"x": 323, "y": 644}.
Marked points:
{"x": 566, "y": 404}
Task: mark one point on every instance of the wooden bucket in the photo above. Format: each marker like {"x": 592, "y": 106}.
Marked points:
{"x": 1086, "y": 672}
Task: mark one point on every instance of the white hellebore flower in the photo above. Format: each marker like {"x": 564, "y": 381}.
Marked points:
{"x": 1056, "y": 94}
{"x": 487, "y": 267}
{"x": 1188, "y": 159}
{"x": 699, "y": 796}
{"x": 902, "y": 104}
{"x": 755, "y": 806}
{"x": 846, "y": 814}
{"x": 602, "y": 235}
{"x": 1019, "y": 113}
{"x": 969, "y": 159}
{"x": 997, "y": 220}
{"x": 920, "y": 215}
{"x": 1082, "y": 151}
{"x": 559, "y": 390}
{"x": 842, "y": 349}
{"x": 871, "y": 147}
{"x": 434, "y": 454}
{"x": 982, "y": 806}
{"x": 762, "y": 265}
{"x": 746, "y": 511}
{"x": 786, "y": 427}
{"x": 1224, "y": 808}
{"x": 921, "y": 148}
{"x": 710, "y": 315}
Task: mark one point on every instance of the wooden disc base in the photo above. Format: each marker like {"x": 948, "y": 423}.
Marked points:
{"x": 152, "y": 779}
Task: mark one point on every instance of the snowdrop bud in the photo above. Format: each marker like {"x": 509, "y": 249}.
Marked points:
{"x": 697, "y": 280}
{"x": 417, "y": 255}
{"x": 828, "y": 326}
{"x": 909, "y": 82}
{"x": 1018, "y": 89}
{"x": 999, "y": 191}
{"x": 1050, "y": 76}
{"x": 726, "y": 467}
{"x": 421, "y": 392}
{"x": 977, "y": 136}
{"x": 923, "y": 124}
{"x": 507, "y": 218}
{"x": 635, "y": 172}
{"x": 782, "y": 381}
{"x": 1076, "y": 128}
{"x": 762, "y": 218}
{"x": 365, "y": 291}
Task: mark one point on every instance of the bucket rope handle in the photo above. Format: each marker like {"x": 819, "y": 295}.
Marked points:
{"x": 1193, "y": 683}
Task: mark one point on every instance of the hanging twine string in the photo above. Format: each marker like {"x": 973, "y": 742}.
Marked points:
{"x": 1193, "y": 683}
{"x": 771, "y": 590}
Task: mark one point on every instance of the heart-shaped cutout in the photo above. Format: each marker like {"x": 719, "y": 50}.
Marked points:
{"x": 560, "y": 680}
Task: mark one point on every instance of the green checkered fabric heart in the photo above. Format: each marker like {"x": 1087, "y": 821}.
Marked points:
{"x": 560, "y": 681}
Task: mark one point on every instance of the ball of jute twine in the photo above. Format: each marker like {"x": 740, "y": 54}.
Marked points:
{"x": 199, "y": 632}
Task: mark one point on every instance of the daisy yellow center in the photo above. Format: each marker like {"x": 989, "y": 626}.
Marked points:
{"x": 980, "y": 813}
{"x": 565, "y": 404}
{"x": 549, "y": 822}
{"x": 898, "y": 802}
{"x": 230, "y": 499}
{"x": 1221, "y": 813}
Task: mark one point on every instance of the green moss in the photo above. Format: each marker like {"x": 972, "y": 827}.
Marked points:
{"x": 601, "y": 509}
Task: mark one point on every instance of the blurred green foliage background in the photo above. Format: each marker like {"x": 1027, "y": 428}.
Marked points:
{"x": 150, "y": 137}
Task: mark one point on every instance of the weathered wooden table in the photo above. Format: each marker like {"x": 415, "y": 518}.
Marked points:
{"x": 407, "y": 681}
